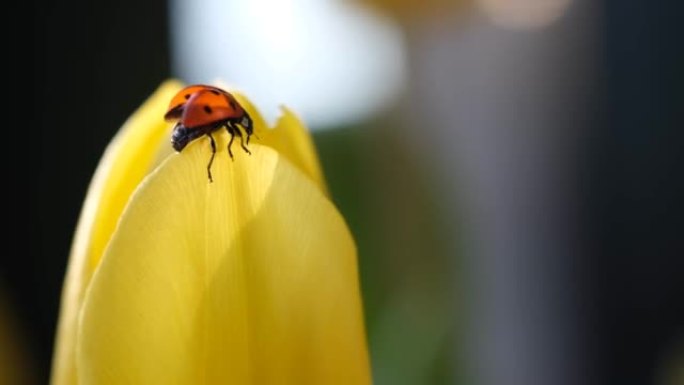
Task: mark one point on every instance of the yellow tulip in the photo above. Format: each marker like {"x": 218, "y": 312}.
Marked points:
{"x": 251, "y": 279}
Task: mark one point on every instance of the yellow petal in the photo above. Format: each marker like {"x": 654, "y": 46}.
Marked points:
{"x": 128, "y": 158}
{"x": 289, "y": 137}
{"x": 251, "y": 279}
{"x": 135, "y": 152}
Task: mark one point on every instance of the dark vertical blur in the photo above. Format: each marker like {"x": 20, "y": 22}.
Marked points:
{"x": 94, "y": 63}
{"x": 635, "y": 194}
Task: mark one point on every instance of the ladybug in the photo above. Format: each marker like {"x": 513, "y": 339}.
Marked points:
{"x": 201, "y": 110}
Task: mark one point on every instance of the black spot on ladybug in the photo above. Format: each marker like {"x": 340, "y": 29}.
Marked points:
{"x": 232, "y": 104}
{"x": 215, "y": 92}
{"x": 207, "y": 109}
{"x": 187, "y": 96}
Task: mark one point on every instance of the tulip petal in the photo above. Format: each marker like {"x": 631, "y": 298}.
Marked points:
{"x": 251, "y": 279}
{"x": 137, "y": 149}
{"x": 289, "y": 137}
{"x": 128, "y": 159}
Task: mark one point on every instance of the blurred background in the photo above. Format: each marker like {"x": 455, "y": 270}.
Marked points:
{"x": 511, "y": 169}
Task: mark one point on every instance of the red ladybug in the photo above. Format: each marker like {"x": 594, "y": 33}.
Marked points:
{"x": 201, "y": 110}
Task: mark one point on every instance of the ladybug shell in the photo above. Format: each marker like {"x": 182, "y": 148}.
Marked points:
{"x": 175, "y": 110}
{"x": 209, "y": 106}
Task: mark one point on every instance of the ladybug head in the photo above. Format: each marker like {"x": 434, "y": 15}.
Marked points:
{"x": 181, "y": 137}
{"x": 246, "y": 122}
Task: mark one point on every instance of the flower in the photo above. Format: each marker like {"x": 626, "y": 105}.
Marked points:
{"x": 251, "y": 279}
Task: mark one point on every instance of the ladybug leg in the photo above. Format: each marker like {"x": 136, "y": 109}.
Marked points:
{"x": 242, "y": 142}
{"x": 211, "y": 160}
{"x": 249, "y": 136}
{"x": 231, "y": 131}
